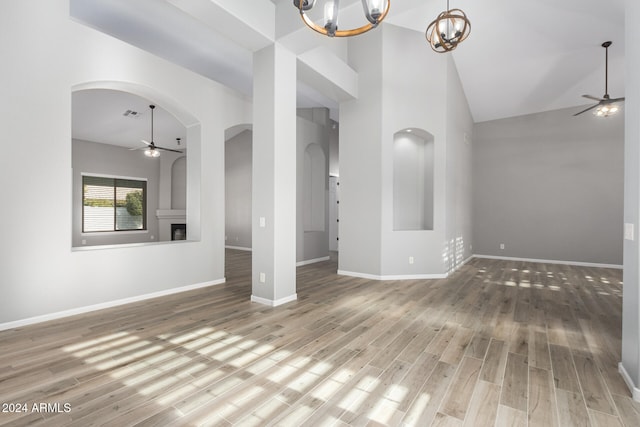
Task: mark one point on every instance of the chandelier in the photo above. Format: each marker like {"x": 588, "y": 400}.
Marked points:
{"x": 448, "y": 30}
{"x": 374, "y": 10}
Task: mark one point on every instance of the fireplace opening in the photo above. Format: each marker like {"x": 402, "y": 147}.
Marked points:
{"x": 178, "y": 231}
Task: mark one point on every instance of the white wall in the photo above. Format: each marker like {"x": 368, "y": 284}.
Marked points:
{"x": 630, "y": 363}
{"x": 396, "y": 95}
{"x": 412, "y": 101}
{"x": 54, "y": 56}
{"x": 459, "y": 172}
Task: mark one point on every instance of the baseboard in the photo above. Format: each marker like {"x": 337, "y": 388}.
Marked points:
{"x": 274, "y": 303}
{"x": 635, "y": 391}
{"x": 238, "y": 248}
{"x": 550, "y": 261}
{"x": 393, "y": 277}
{"x": 312, "y": 261}
{"x": 457, "y": 267}
{"x": 102, "y": 306}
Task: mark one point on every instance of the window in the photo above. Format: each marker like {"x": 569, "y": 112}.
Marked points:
{"x": 113, "y": 204}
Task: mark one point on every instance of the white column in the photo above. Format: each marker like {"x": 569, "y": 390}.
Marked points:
{"x": 274, "y": 176}
{"x": 630, "y": 364}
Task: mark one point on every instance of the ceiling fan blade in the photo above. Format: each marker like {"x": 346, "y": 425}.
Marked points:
{"x": 169, "y": 149}
{"x": 592, "y": 97}
{"x": 144, "y": 141}
{"x": 584, "y": 111}
{"x": 609, "y": 101}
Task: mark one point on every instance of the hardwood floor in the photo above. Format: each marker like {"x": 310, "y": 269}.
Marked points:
{"x": 498, "y": 343}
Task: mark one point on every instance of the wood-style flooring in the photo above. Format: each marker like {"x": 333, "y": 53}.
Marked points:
{"x": 499, "y": 343}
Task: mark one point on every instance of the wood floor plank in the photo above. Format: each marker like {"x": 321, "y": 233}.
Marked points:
{"x": 425, "y": 406}
{"x": 515, "y": 384}
{"x": 483, "y": 408}
{"x": 564, "y": 372}
{"x": 456, "y": 401}
{"x": 348, "y": 351}
{"x": 593, "y": 388}
{"x": 509, "y": 417}
{"x": 542, "y": 401}
{"x": 494, "y": 362}
{"x": 572, "y": 410}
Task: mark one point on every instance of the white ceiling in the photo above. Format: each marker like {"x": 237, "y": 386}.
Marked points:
{"x": 522, "y": 57}
{"x": 99, "y": 116}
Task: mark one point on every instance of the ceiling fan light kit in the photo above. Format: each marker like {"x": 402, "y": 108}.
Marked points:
{"x": 374, "y": 11}
{"x": 606, "y": 106}
{"x": 152, "y": 149}
{"x": 448, "y": 30}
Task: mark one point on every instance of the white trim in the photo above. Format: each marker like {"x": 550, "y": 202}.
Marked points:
{"x": 239, "y": 248}
{"x": 102, "y": 175}
{"x": 112, "y": 233}
{"x": 635, "y": 391}
{"x": 457, "y": 267}
{"x": 312, "y": 261}
{"x": 101, "y": 306}
{"x": 550, "y": 261}
{"x": 393, "y": 277}
{"x": 274, "y": 303}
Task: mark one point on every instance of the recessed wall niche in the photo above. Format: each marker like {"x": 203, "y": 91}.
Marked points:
{"x": 314, "y": 188}
{"x": 413, "y": 151}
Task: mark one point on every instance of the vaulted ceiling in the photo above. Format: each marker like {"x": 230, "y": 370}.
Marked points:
{"x": 522, "y": 57}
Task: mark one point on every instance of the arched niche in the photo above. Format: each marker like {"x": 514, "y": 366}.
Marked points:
{"x": 413, "y": 151}
{"x": 179, "y": 183}
{"x": 314, "y": 182}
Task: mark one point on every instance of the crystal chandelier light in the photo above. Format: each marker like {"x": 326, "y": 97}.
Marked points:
{"x": 374, "y": 10}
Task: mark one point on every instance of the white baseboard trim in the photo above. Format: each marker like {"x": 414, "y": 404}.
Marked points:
{"x": 274, "y": 303}
{"x": 550, "y": 261}
{"x": 457, "y": 267}
{"x": 393, "y": 277}
{"x": 102, "y": 306}
{"x": 312, "y": 261}
{"x": 238, "y": 248}
{"x": 635, "y": 391}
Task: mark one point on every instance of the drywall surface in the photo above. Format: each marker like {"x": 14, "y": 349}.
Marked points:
{"x": 549, "y": 186}
{"x": 238, "y": 158}
{"x": 54, "y": 57}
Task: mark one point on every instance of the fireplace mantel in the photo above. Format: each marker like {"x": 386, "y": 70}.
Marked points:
{"x": 166, "y": 217}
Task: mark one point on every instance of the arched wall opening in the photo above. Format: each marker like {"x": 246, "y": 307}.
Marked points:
{"x": 238, "y": 188}
{"x": 109, "y": 121}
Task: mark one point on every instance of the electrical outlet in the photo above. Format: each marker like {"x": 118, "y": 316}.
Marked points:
{"x": 263, "y": 278}
{"x": 501, "y": 245}
{"x": 410, "y": 260}
{"x": 263, "y": 222}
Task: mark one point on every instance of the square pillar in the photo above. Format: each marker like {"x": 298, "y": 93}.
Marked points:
{"x": 274, "y": 176}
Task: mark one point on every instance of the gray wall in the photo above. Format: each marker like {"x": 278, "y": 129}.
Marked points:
{"x": 312, "y": 127}
{"x": 549, "y": 186}
{"x": 94, "y": 158}
{"x": 238, "y": 154}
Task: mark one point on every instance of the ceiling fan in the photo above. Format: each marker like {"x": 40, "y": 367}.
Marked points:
{"x": 605, "y": 106}
{"x": 151, "y": 147}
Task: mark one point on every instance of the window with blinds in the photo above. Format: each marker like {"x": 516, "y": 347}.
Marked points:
{"x": 113, "y": 204}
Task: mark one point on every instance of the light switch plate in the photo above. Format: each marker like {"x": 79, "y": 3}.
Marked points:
{"x": 628, "y": 231}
